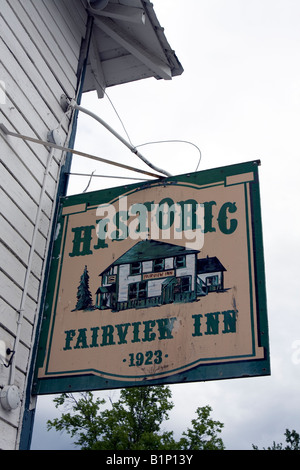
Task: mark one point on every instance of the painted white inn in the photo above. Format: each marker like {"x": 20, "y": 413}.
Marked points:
{"x": 153, "y": 273}
{"x": 49, "y": 49}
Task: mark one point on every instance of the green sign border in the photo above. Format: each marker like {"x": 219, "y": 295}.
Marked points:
{"x": 202, "y": 372}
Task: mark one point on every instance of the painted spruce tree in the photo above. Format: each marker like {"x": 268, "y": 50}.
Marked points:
{"x": 84, "y": 296}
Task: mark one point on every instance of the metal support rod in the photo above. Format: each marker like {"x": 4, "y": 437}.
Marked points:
{"x": 133, "y": 149}
{"x": 77, "y": 152}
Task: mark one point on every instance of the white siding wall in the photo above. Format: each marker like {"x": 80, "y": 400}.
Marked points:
{"x": 189, "y": 269}
{"x": 39, "y": 49}
{"x": 155, "y": 287}
{"x": 204, "y": 276}
{"x": 124, "y": 280}
{"x": 147, "y": 266}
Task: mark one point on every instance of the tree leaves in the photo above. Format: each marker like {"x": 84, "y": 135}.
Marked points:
{"x": 133, "y": 422}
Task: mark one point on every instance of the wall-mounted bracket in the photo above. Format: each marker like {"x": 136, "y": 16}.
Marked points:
{"x": 4, "y": 129}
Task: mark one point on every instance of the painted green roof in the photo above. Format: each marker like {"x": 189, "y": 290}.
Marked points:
{"x": 146, "y": 250}
{"x": 209, "y": 265}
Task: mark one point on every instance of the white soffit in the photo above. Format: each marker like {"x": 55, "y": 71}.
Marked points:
{"x": 127, "y": 44}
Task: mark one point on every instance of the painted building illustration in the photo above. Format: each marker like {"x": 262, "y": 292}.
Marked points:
{"x": 154, "y": 273}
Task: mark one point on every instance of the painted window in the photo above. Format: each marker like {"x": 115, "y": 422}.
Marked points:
{"x": 136, "y": 268}
{"x": 180, "y": 261}
{"x": 183, "y": 285}
{"x": 158, "y": 265}
{"x": 137, "y": 290}
{"x": 212, "y": 280}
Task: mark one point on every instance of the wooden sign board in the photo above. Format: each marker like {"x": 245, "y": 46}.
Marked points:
{"x": 157, "y": 283}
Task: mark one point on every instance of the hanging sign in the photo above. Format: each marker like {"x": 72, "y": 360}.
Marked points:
{"x": 155, "y": 283}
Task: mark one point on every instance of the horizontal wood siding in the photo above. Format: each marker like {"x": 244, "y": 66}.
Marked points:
{"x": 39, "y": 50}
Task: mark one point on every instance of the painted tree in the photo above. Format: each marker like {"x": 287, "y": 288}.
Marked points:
{"x": 84, "y": 296}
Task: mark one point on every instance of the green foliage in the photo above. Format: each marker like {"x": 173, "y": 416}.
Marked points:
{"x": 81, "y": 419}
{"x": 292, "y": 442}
{"x": 203, "y": 434}
{"x": 133, "y": 422}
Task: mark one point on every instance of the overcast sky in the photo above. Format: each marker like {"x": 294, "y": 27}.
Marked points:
{"x": 237, "y": 100}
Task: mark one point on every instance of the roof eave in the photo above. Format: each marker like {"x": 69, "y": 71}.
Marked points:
{"x": 138, "y": 50}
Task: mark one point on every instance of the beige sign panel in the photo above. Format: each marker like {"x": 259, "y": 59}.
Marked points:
{"x": 160, "y": 282}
